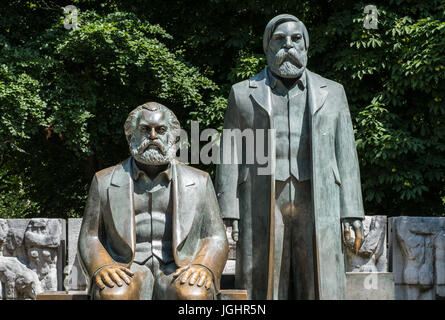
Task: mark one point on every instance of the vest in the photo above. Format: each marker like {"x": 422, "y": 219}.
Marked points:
{"x": 290, "y": 112}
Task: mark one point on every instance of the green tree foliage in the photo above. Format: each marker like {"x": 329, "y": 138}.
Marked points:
{"x": 64, "y": 94}
{"x": 394, "y": 77}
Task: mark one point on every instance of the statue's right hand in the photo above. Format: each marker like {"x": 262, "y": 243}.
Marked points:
{"x": 114, "y": 274}
{"x": 235, "y": 230}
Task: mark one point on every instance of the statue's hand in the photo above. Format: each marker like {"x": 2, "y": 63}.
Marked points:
{"x": 194, "y": 274}
{"x": 114, "y": 274}
{"x": 357, "y": 226}
{"x": 234, "y": 224}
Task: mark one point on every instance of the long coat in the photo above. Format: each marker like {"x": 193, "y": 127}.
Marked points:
{"x": 248, "y": 196}
{"x": 108, "y": 231}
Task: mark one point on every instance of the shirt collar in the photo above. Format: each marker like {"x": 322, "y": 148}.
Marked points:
{"x": 136, "y": 173}
{"x": 275, "y": 81}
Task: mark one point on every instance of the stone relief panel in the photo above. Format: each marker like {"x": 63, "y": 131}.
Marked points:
{"x": 418, "y": 257}
{"x": 31, "y": 256}
{"x": 74, "y": 276}
{"x": 17, "y": 280}
{"x": 372, "y": 256}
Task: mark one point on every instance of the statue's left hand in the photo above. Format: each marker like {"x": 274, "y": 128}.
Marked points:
{"x": 194, "y": 274}
{"x": 357, "y": 226}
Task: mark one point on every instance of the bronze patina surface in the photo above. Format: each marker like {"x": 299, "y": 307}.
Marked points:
{"x": 152, "y": 227}
{"x": 314, "y": 188}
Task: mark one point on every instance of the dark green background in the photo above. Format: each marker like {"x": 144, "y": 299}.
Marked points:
{"x": 64, "y": 95}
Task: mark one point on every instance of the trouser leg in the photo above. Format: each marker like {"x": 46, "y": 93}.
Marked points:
{"x": 302, "y": 242}
{"x": 294, "y": 241}
{"x": 282, "y": 243}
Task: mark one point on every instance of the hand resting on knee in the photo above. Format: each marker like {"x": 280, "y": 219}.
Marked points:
{"x": 111, "y": 275}
{"x": 195, "y": 274}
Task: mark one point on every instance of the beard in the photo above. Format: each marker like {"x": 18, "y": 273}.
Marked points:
{"x": 287, "y": 63}
{"x": 153, "y": 153}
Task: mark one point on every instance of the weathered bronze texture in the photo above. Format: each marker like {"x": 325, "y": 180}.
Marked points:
{"x": 152, "y": 227}
{"x": 314, "y": 187}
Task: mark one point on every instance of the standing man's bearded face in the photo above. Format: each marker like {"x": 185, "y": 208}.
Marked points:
{"x": 152, "y": 142}
{"x": 287, "y": 53}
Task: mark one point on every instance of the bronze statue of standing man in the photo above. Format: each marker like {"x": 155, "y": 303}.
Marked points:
{"x": 289, "y": 224}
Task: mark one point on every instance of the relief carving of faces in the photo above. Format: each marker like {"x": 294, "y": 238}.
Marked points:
{"x": 41, "y": 258}
{"x": 34, "y": 256}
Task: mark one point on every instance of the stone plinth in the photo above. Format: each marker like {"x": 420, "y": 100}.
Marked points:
{"x": 80, "y": 295}
{"x": 63, "y": 295}
{"x": 233, "y": 295}
{"x": 74, "y": 276}
{"x": 369, "y": 286}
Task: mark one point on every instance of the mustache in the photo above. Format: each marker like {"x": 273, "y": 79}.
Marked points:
{"x": 147, "y": 143}
{"x": 291, "y": 54}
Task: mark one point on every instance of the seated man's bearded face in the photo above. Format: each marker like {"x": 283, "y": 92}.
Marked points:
{"x": 287, "y": 54}
{"x": 153, "y": 141}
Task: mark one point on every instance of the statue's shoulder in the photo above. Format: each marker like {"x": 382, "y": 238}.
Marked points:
{"x": 249, "y": 83}
{"x": 191, "y": 172}
{"x": 331, "y": 84}
{"x": 105, "y": 175}
{"x": 240, "y": 86}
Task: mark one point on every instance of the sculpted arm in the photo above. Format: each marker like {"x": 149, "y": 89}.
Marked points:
{"x": 95, "y": 260}
{"x": 227, "y": 170}
{"x": 210, "y": 260}
{"x": 351, "y": 203}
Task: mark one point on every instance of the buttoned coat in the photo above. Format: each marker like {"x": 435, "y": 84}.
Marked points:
{"x": 108, "y": 231}
{"x": 246, "y": 195}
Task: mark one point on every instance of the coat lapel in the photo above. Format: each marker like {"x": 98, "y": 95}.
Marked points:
{"x": 261, "y": 91}
{"x": 317, "y": 91}
{"x": 183, "y": 214}
{"x": 120, "y": 195}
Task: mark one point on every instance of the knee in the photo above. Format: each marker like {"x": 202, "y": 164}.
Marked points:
{"x": 126, "y": 292}
{"x": 188, "y": 292}
{"x": 140, "y": 288}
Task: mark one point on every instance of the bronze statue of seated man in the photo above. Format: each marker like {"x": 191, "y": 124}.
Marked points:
{"x": 152, "y": 228}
